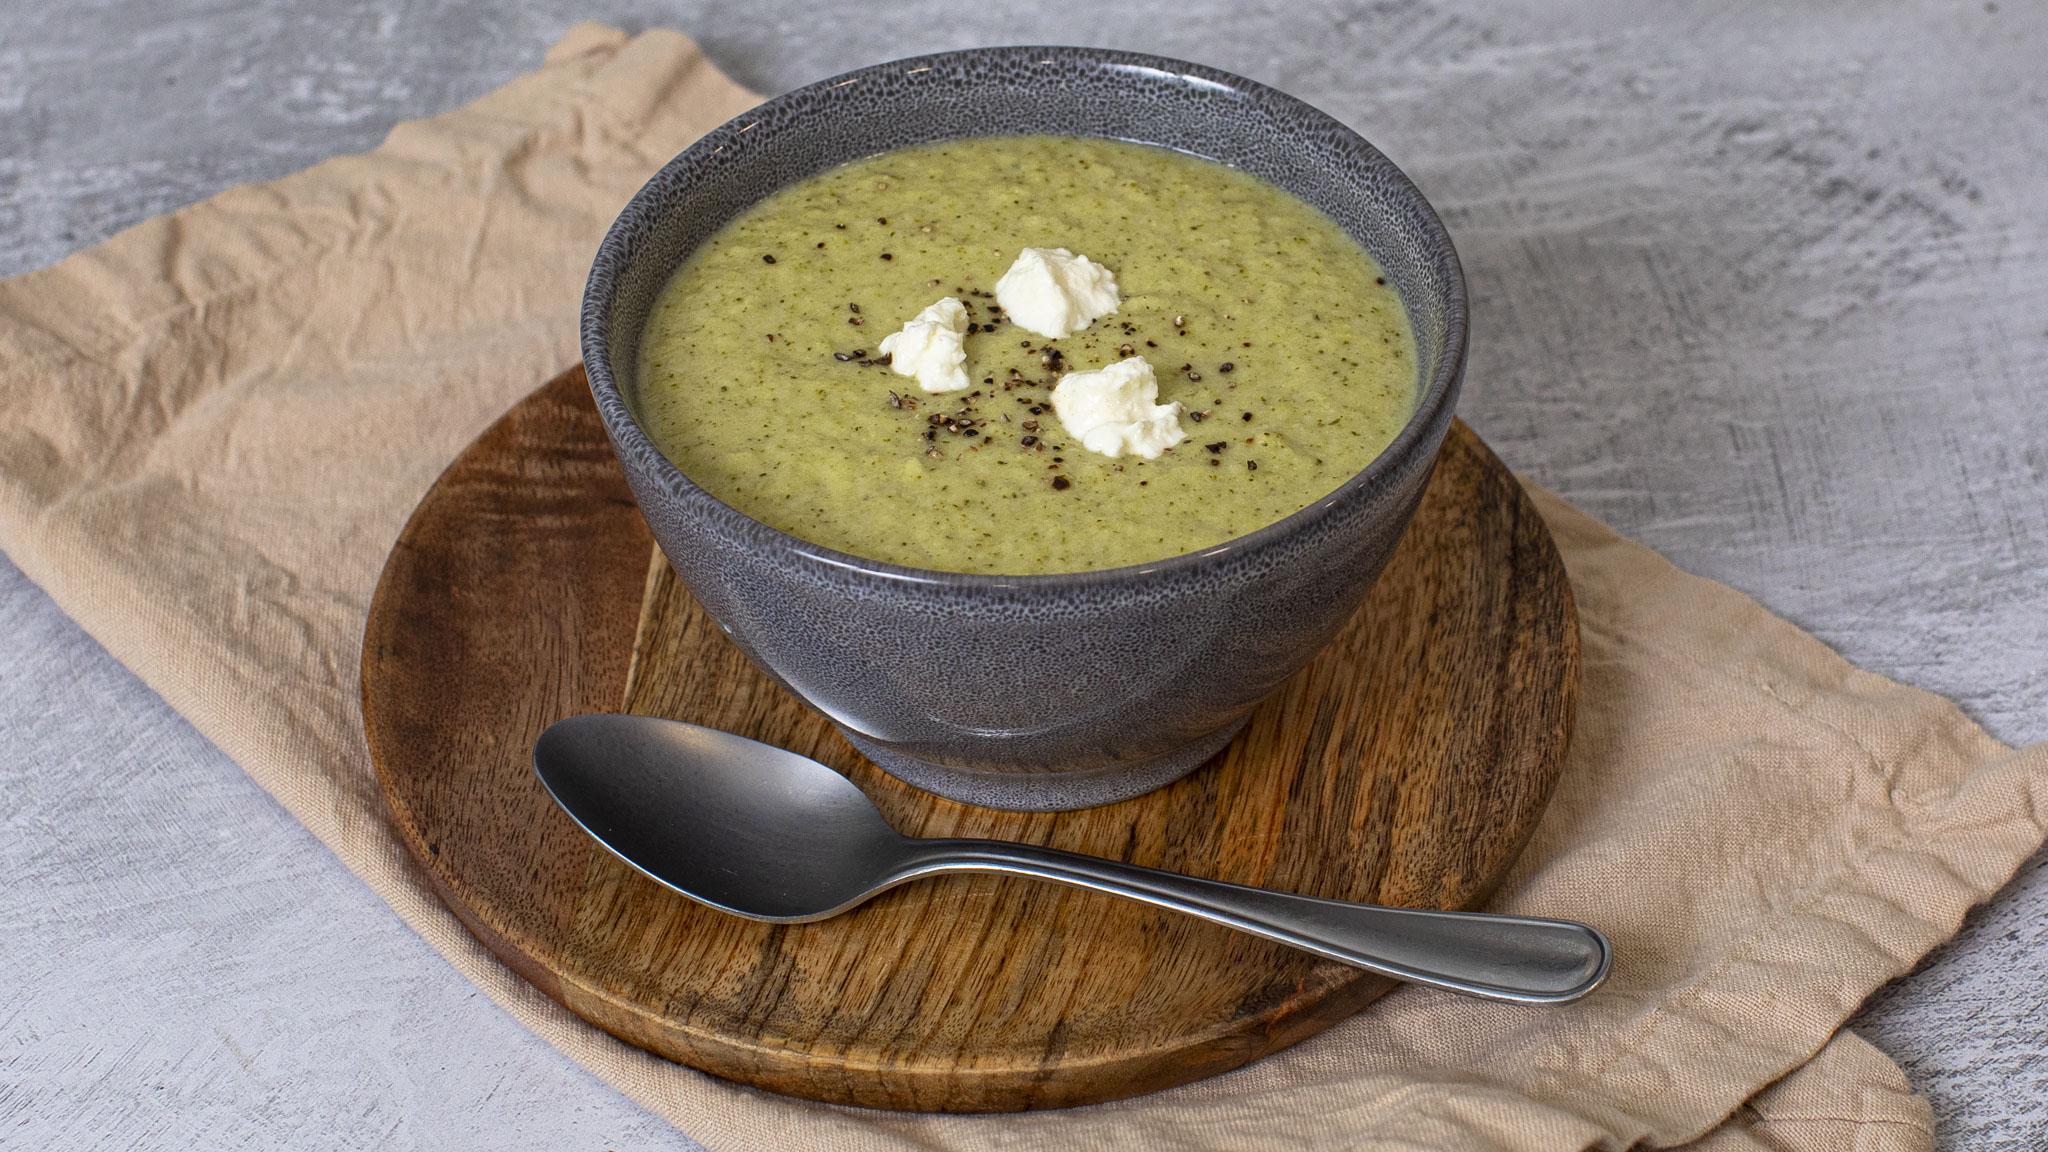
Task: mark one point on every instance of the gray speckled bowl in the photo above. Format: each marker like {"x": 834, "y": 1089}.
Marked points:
{"x": 1035, "y": 692}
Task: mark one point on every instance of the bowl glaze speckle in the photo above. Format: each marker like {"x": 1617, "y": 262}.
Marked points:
{"x": 1049, "y": 691}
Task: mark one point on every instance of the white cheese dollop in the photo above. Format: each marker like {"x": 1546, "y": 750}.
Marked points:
{"x": 932, "y": 347}
{"x": 1114, "y": 410}
{"x": 1055, "y": 293}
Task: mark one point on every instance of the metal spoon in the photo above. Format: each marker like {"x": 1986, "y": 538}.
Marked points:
{"x": 767, "y": 834}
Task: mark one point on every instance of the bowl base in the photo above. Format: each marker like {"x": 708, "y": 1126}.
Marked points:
{"x": 1047, "y": 791}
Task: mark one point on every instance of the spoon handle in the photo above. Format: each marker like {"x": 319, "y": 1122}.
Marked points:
{"x": 1519, "y": 959}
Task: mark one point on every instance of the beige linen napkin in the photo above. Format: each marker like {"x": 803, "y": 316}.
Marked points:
{"x": 213, "y": 425}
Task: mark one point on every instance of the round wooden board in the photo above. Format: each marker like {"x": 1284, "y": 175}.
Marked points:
{"x": 1406, "y": 765}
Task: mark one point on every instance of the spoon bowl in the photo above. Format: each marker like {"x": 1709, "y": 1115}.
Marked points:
{"x": 745, "y": 827}
{"x": 767, "y": 834}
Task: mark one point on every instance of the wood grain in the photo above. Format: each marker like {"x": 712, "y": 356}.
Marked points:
{"x": 1406, "y": 765}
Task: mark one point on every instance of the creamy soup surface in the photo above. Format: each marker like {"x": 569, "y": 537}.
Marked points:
{"x": 758, "y": 373}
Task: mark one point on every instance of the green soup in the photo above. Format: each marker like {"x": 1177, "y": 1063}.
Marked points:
{"x": 759, "y": 376}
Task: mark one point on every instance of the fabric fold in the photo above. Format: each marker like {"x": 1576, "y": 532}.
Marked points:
{"x": 213, "y": 425}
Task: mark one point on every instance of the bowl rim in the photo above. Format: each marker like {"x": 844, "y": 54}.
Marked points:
{"x": 1429, "y": 417}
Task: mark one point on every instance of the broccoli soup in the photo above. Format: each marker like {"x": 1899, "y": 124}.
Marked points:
{"x": 1025, "y": 355}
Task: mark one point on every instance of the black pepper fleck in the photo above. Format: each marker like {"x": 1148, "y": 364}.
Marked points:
{"x": 1218, "y": 446}
{"x": 1226, "y": 367}
{"x": 1028, "y": 441}
{"x": 767, "y": 259}
{"x": 1247, "y": 417}
{"x": 1061, "y": 483}
{"x": 887, "y": 256}
{"x": 1251, "y": 465}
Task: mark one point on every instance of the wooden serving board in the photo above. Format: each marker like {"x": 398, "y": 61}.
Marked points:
{"x": 1406, "y": 765}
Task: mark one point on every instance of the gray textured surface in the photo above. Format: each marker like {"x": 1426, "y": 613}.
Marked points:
{"x": 1770, "y": 293}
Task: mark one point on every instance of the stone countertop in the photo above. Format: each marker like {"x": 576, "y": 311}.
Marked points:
{"x": 1768, "y": 292}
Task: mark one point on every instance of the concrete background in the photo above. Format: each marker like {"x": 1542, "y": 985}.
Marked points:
{"x": 1768, "y": 292}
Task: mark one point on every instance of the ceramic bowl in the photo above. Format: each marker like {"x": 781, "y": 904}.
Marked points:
{"x": 1049, "y": 691}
